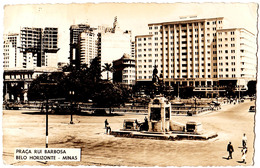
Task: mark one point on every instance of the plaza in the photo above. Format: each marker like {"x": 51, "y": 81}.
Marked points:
{"x": 24, "y": 130}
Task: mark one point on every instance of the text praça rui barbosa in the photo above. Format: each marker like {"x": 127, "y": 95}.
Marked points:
{"x": 47, "y": 154}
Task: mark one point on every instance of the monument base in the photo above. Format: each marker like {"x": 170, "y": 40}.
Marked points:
{"x": 172, "y": 136}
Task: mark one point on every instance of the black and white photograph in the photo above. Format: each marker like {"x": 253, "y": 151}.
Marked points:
{"x": 135, "y": 84}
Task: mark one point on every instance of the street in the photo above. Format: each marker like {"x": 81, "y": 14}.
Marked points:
{"x": 88, "y": 133}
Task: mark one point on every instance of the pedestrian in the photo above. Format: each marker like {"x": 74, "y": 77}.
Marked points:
{"x": 244, "y": 151}
{"x": 244, "y": 140}
{"x": 230, "y": 150}
{"x": 106, "y": 124}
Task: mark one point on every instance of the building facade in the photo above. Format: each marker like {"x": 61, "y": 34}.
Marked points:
{"x": 76, "y": 40}
{"x": 10, "y": 50}
{"x": 112, "y": 44}
{"x": 88, "y": 46}
{"x": 124, "y": 70}
{"x": 50, "y": 47}
{"x": 17, "y": 81}
{"x": 33, "y": 47}
{"x": 188, "y": 53}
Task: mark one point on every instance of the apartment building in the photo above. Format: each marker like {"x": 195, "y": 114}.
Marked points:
{"x": 88, "y": 46}
{"x": 186, "y": 52}
{"x": 75, "y": 50}
{"x": 31, "y": 47}
{"x": 38, "y": 47}
{"x": 124, "y": 70}
{"x": 50, "y": 47}
{"x": 236, "y": 55}
{"x": 10, "y": 50}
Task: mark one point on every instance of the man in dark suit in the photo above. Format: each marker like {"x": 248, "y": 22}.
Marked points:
{"x": 230, "y": 150}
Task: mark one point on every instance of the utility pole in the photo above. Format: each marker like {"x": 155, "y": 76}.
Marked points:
{"x": 47, "y": 109}
{"x": 47, "y": 133}
{"x": 71, "y": 93}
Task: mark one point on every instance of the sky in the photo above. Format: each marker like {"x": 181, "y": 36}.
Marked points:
{"x": 131, "y": 16}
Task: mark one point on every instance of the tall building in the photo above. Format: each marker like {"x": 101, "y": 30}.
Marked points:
{"x": 88, "y": 46}
{"x": 124, "y": 70}
{"x": 10, "y": 50}
{"x": 75, "y": 45}
{"x": 112, "y": 44}
{"x": 50, "y": 47}
{"x": 188, "y": 53}
{"x": 33, "y": 47}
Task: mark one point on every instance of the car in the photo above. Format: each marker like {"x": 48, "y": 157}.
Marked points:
{"x": 251, "y": 109}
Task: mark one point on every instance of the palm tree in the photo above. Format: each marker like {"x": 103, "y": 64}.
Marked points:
{"x": 108, "y": 68}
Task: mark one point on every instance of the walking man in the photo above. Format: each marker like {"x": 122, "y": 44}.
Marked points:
{"x": 230, "y": 150}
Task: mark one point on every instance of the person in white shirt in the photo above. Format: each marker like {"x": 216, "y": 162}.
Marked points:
{"x": 244, "y": 140}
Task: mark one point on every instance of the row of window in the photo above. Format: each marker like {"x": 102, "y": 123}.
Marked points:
{"x": 231, "y": 33}
{"x": 191, "y": 76}
{"x": 226, "y": 39}
{"x": 185, "y": 25}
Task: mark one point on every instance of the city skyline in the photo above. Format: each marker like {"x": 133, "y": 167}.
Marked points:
{"x": 134, "y": 17}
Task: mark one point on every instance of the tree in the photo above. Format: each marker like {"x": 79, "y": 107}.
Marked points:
{"x": 107, "y": 68}
{"x": 85, "y": 82}
{"x": 251, "y": 85}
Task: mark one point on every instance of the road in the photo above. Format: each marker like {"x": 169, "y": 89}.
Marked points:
{"x": 28, "y": 131}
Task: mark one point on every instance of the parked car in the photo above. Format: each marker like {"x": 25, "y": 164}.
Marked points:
{"x": 251, "y": 109}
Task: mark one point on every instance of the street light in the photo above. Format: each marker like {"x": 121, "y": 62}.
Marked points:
{"x": 47, "y": 108}
{"x": 71, "y": 93}
{"x": 195, "y": 98}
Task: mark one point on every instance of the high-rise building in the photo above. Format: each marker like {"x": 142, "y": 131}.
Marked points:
{"x": 39, "y": 48}
{"x": 10, "y": 50}
{"x": 75, "y": 48}
{"x": 50, "y": 47}
{"x": 112, "y": 44}
{"x": 189, "y": 53}
{"x": 88, "y": 46}
{"x": 31, "y": 47}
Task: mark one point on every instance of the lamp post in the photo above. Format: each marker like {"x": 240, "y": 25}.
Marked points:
{"x": 71, "y": 93}
{"x": 47, "y": 108}
{"x": 195, "y": 98}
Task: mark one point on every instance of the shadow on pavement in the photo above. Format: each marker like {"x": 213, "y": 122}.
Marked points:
{"x": 225, "y": 158}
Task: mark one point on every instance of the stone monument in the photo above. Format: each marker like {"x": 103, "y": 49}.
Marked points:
{"x": 159, "y": 114}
